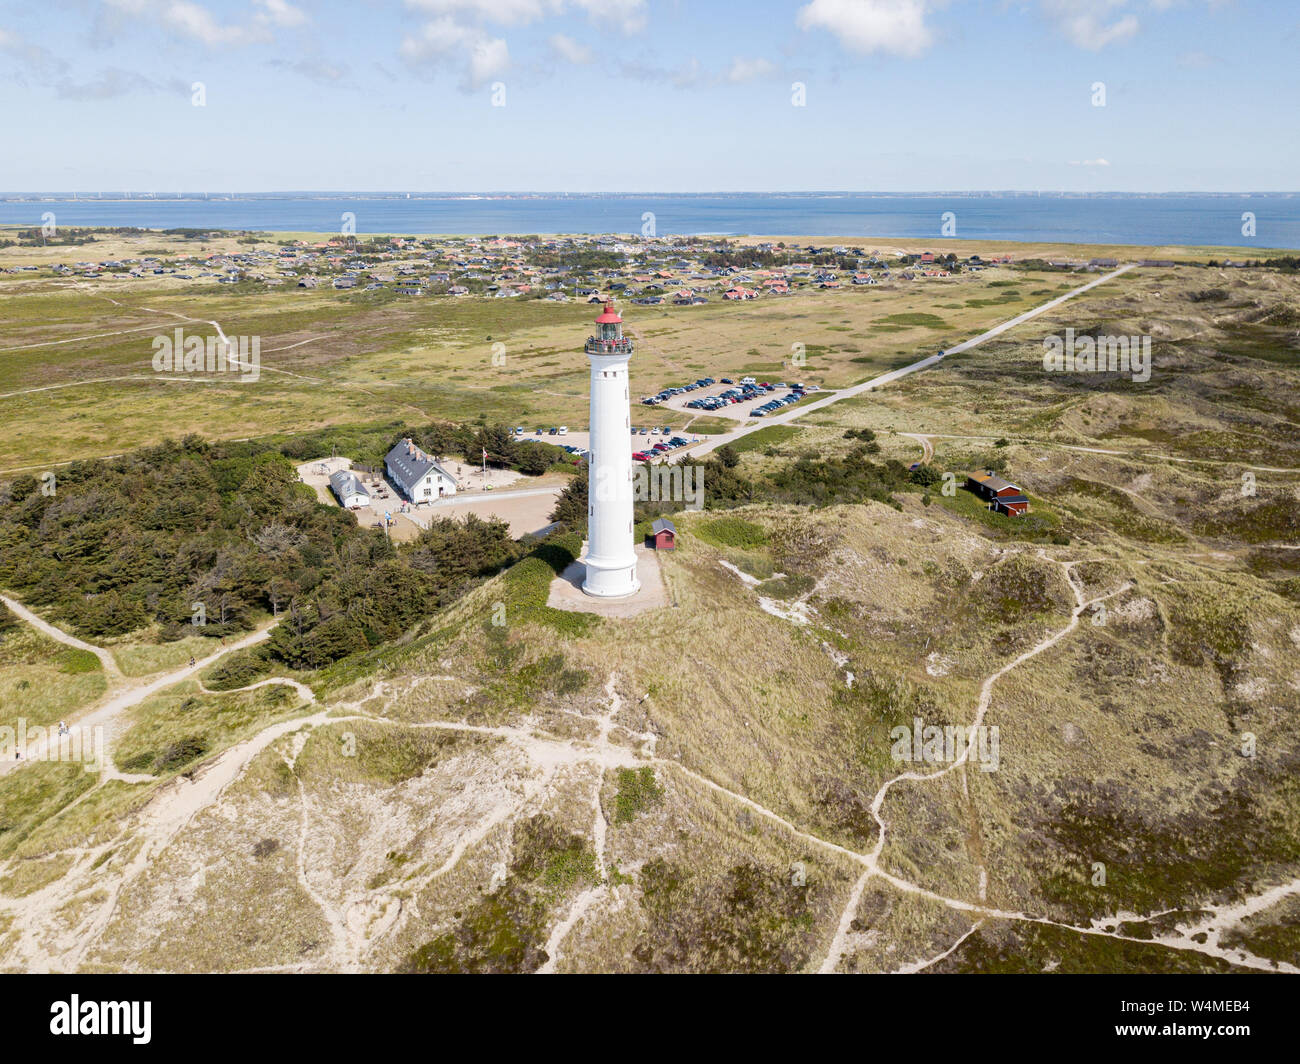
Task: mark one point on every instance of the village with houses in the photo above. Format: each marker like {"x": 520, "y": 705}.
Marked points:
{"x": 645, "y": 271}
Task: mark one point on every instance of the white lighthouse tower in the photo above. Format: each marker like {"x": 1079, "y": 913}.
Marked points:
{"x": 611, "y": 559}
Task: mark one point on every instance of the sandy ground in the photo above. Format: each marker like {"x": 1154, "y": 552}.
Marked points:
{"x": 566, "y": 589}
{"x": 316, "y": 474}
{"x": 524, "y": 509}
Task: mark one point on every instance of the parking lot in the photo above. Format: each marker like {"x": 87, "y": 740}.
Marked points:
{"x": 658, "y": 441}
{"x": 572, "y": 438}
{"x": 731, "y": 398}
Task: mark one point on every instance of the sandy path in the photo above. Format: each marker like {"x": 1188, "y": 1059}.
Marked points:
{"x": 124, "y": 694}
{"x": 105, "y": 656}
{"x": 927, "y": 448}
{"x": 1107, "y": 451}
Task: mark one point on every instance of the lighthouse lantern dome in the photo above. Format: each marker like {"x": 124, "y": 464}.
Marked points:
{"x": 610, "y": 324}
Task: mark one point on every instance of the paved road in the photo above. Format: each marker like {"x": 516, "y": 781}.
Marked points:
{"x": 897, "y": 374}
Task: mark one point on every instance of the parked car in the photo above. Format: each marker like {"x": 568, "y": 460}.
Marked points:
{"x": 564, "y": 430}
{"x": 554, "y": 432}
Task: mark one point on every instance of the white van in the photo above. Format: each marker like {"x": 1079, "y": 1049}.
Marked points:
{"x": 748, "y": 380}
{"x": 564, "y": 430}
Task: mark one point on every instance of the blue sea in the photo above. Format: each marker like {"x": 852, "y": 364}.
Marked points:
{"x": 1104, "y": 219}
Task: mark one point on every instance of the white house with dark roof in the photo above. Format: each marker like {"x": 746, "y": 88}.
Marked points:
{"x": 348, "y": 489}
{"x": 416, "y": 475}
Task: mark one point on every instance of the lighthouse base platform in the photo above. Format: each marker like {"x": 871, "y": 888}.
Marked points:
{"x": 566, "y": 589}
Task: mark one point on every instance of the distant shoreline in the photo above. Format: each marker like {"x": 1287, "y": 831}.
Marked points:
{"x": 131, "y": 196}
{"x": 1261, "y": 222}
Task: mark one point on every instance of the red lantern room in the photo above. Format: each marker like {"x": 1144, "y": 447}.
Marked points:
{"x": 611, "y": 325}
{"x": 609, "y": 335}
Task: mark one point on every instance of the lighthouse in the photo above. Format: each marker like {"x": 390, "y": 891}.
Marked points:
{"x": 611, "y": 559}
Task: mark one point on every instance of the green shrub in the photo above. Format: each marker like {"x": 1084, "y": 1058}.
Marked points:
{"x": 790, "y": 586}
{"x": 637, "y": 791}
{"x": 731, "y": 532}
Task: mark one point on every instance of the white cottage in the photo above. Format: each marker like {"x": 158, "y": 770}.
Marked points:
{"x": 416, "y": 475}
{"x": 349, "y": 490}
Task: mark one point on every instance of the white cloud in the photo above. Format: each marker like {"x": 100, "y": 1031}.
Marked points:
{"x": 458, "y": 31}
{"x": 743, "y": 70}
{"x": 488, "y": 59}
{"x": 195, "y": 21}
{"x": 1089, "y": 162}
{"x": 314, "y": 68}
{"x": 281, "y": 13}
{"x": 187, "y": 19}
{"x": 502, "y": 12}
{"x": 628, "y": 15}
{"x": 570, "y": 50}
{"x": 485, "y": 56}
{"x": 1093, "y": 24}
{"x": 108, "y": 84}
{"x": 895, "y": 27}
{"x": 31, "y": 59}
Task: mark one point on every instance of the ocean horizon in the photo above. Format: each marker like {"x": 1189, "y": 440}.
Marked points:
{"x": 1269, "y": 221}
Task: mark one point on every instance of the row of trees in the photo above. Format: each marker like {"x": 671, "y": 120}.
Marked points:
{"x": 807, "y": 480}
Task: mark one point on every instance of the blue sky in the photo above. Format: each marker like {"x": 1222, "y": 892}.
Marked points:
{"x": 649, "y": 95}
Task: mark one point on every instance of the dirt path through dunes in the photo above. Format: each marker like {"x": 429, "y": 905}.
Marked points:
{"x": 122, "y": 694}
{"x": 1144, "y": 455}
{"x": 105, "y": 656}
{"x": 927, "y": 448}
{"x": 838, "y": 943}
{"x": 173, "y": 806}
{"x": 1181, "y": 938}
{"x": 48, "y": 940}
